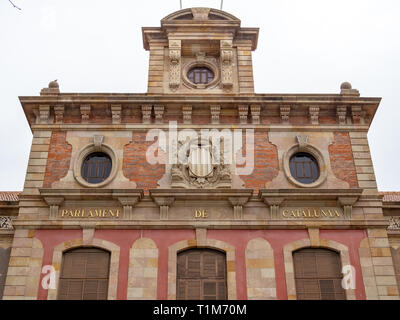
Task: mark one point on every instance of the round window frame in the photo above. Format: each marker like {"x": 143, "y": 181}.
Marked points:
{"x": 86, "y": 151}
{"x": 323, "y": 173}
{"x": 200, "y": 64}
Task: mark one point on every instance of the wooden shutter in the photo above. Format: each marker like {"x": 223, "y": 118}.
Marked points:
{"x": 4, "y": 260}
{"x": 318, "y": 275}
{"x": 201, "y": 275}
{"x": 84, "y": 275}
{"x": 396, "y": 264}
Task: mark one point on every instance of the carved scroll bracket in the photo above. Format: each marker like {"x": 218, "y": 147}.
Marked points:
{"x": 174, "y": 64}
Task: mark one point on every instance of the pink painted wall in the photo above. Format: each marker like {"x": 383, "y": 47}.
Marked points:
{"x": 237, "y": 238}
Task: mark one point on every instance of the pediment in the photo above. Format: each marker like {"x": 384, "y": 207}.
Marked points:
{"x": 200, "y": 14}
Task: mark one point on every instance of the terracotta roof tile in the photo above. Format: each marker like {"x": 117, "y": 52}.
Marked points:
{"x": 390, "y": 196}
{"x": 9, "y": 195}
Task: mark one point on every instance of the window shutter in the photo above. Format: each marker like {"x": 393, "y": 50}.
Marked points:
{"x": 193, "y": 289}
{"x": 193, "y": 264}
{"x": 318, "y": 275}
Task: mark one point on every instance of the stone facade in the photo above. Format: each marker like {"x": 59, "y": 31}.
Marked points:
{"x": 247, "y": 205}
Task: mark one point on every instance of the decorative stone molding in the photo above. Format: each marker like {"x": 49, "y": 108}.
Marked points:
{"x": 238, "y": 203}
{"x": 255, "y": 113}
{"x": 209, "y": 243}
{"x": 215, "y": 112}
{"x": 6, "y": 223}
{"x": 54, "y": 203}
{"x": 341, "y": 112}
{"x": 164, "y": 203}
{"x": 226, "y": 63}
{"x": 77, "y": 243}
{"x": 44, "y": 114}
{"x": 59, "y": 113}
{"x": 314, "y": 114}
{"x": 85, "y": 112}
{"x": 200, "y": 13}
{"x": 274, "y": 204}
{"x": 146, "y": 113}
{"x": 159, "y": 113}
{"x": 288, "y": 250}
{"x": 394, "y": 223}
{"x": 243, "y": 113}
{"x": 96, "y": 146}
{"x": 347, "y": 203}
{"x": 304, "y": 146}
{"x": 187, "y": 114}
{"x": 285, "y": 112}
{"x": 357, "y": 115}
{"x": 174, "y": 64}
{"x": 116, "y": 113}
{"x": 128, "y": 203}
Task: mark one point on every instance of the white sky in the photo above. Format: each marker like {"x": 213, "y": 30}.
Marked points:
{"x": 305, "y": 46}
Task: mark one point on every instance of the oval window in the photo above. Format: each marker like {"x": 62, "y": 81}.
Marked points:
{"x": 304, "y": 168}
{"x": 200, "y": 75}
{"x": 96, "y": 167}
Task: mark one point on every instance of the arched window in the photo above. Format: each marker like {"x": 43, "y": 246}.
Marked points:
{"x": 318, "y": 275}
{"x": 201, "y": 275}
{"x": 84, "y": 274}
{"x": 304, "y": 168}
{"x": 200, "y": 75}
{"x": 96, "y": 167}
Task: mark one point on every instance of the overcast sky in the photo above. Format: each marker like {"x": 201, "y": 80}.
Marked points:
{"x": 305, "y": 46}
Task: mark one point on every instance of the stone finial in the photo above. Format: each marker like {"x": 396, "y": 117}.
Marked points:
{"x": 53, "y": 88}
{"x": 347, "y": 89}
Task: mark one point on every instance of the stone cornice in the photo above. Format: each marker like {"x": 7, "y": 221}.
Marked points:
{"x": 88, "y": 194}
{"x": 201, "y": 194}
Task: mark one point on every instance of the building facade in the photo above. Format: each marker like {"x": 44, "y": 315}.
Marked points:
{"x": 199, "y": 188}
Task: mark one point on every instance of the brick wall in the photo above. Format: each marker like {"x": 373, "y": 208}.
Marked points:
{"x": 341, "y": 157}
{"x": 266, "y": 165}
{"x": 135, "y": 166}
{"x": 58, "y": 160}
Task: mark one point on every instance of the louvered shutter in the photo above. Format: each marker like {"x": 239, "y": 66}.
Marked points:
{"x": 84, "y": 275}
{"x": 396, "y": 264}
{"x": 4, "y": 260}
{"x": 201, "y": 275}
{"x": 318, "y": 275}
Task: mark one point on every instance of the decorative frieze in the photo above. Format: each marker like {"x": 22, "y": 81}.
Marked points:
{"x": 59, "y": 113}
{"x": 285, "y": 112}
{"x": 174, "y": 64}
{"x": 187, "y": 114}
{"x": 314, "y": 114}
{"x": 6, "y": 223}
{"x": 226, "y": 63}
{"x": 341, "y": 112}
{"x": 146, "y": 113}
{"x": 238, "y": 203}
{"x": 394, "y": 223}
{"x": 215, "y": 112}
{"x": 85, "y": 113}
{"x": 255, "y": 113}
{"x": 159, "y": 113}
{"x": 116, "y": 113}
{"x": 243, "y": 113}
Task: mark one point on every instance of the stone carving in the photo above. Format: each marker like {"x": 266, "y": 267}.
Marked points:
{"x": 187, "y": 114}
{"x": 226, "y": 63}
{"x": 357, "y": 114}
{"x": 302, "y": 140}
{"x": 199, "y": 169}
{"x": 394, "y": 223}
{"x": 6, "y": 223}
{"x": 255, "y": 114}
{"x": 146, "y": 113}
{"x": 341, "y": 112}
{"x": 59, "y": 113}
{"x": 116, "y": 113}
{"x": 314, "y": 114}
{"x": 215, "y": 111}
{"x": 243, "y": 113}
{"x": 44, "y": 114}
{"x": 200, "y": 13}
{"x": 285, "y": 111}
{"x": 159, "y": 113}
{"x": 85, "y": 113}
{"x": 174, "y": 64}
{"x": 98, "y": 140}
